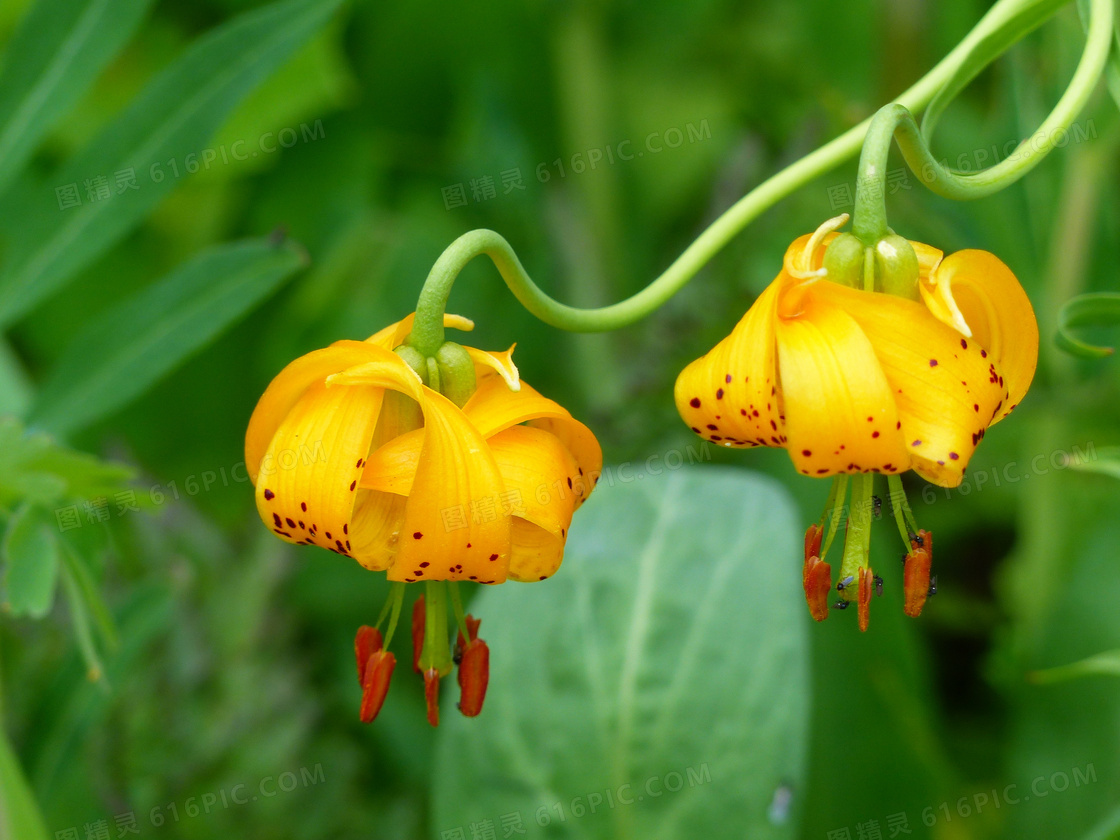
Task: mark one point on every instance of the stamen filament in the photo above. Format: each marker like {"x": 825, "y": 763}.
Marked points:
{"x": 457, "y": 608}
{"x": 897, "y": 497}
{"x": 836, "y": 499}
{"x": 396, "y": 598}
{"x": 895, "y": 482}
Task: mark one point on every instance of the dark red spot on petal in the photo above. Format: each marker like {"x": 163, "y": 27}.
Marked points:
{"x": 269, "y": 495}
{"x": 695, "y": 402}
{"x": 417, "y": 535}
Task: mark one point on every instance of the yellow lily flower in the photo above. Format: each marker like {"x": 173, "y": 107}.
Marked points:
{"x": 350, "y": 451}
{"x": 854, "y": 382}
{"x": 849, "y": 381}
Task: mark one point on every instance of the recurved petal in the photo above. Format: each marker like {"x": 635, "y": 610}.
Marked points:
{"x": 308, "y": 478}
{"x": 287, "y": 387}
{"x": 840, "y": 414}
{"x": 454, "y": 526}
{"x": 730, "y": 395}
{"x": 493, "y": 408}
{"x": 982, "y": 291}
{"x": 487, "y": 363}
{"x": 947, "y": 388}
{"x": 538, "y": 473}
{"x": 394, "y": 335}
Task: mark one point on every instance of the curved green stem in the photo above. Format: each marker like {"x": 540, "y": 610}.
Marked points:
{"x": 428, "y": 329}
{"x": 894, "y": 121}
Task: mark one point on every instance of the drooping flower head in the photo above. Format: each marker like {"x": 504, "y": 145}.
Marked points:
{"x": 432, "y": 470}
{"x": 874, "y": 373}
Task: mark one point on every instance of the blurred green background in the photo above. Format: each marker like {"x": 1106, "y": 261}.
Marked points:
{"x": 365, "y": 139}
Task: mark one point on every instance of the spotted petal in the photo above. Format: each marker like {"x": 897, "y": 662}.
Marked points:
{"x": 289, "y": 385}
{"x": 946, "y": 387}
{"x": 976, "y": 288}
{"x": 730, "y": 395}
{"x": 308, "y": 477}
{"x": 840, "y": 417}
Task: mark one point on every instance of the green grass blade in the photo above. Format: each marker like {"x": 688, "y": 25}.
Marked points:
{"x": 175, "y": 116}
{"x": 58, "y": 51}
{"x": 143, "y": 338}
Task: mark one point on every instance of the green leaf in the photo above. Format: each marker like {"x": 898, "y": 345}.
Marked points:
{"x": 15, "y": 385}
{"x": 19, "y": 813}
{"x": 987, "y": 50}
{"x": 59, "y": 49}
{"x": 1095, "y": 309}
{"x": 172, "y": 119}
{"x": 132, "y": 345}
{"x": 669, "y": 655}
{"x": 31, "y": 563}
{"x": 35, "y": 468}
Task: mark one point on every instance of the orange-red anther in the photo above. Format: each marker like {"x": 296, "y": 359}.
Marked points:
{"x": 817, "y": 577}
{"x": 474, "y": 675}
{"x": 813, "y": 536}
{"x": 366, "y": 642}
{"x": 866, "y": 587}
{"x": 418, "y": 615}
{"x": 431, "y": 695}
{"x": 915, "y": 574}
{"x": 375, "y": 683}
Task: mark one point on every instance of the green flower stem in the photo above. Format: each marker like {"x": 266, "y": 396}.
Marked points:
{"x": 427, "y": 334}
{"x": 895, "y": 121}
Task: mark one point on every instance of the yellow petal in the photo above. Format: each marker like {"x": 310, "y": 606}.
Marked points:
{"x": 308, "y": 477}
{"x": 840, "y": 416}
{"x": 454, "y": 526}
{"x": 394, "y": 335}
{"x": 730, "y": 395}
{"x": 946, "y": 386}
{"x": 537, "y": 552}
{"x": 375, "y": 528}
{"x": 987, "y": 296}
{"x": 493, "y": 407}
{"x": 284, "y": 390}
{"x": 500, "y": 363}
{"x": 538, "y": 473}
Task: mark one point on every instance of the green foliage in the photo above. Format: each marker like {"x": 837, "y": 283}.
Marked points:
{"x": 225, "y": 657}
{"x": 169, "y": 321}
{"x": 162, "y": 131}
{"x": 59, "y": 50}
{"x": 658, "y": 686}
{"x": 19, "y": 816}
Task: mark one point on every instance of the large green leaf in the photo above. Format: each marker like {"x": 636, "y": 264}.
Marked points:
{"x": 143, "y": 338}
{"x": 60, "y": 48}
{"x": 171, "y": 120}
{"x": 19, "y": 814}
{"x": 657, "y": 688}
{"x": 30, "y": 563}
